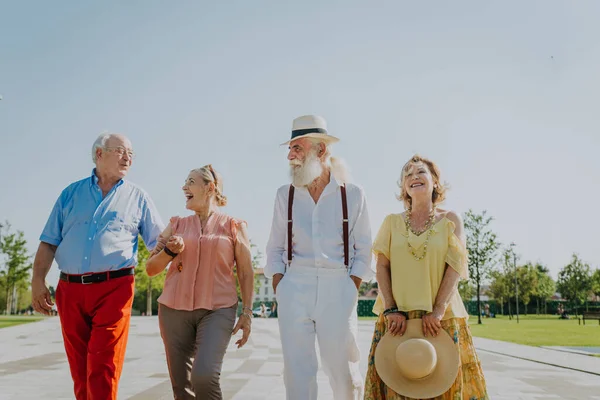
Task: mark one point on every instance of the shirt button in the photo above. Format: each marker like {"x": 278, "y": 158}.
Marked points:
{"x": 90, "y": 238}
{"x": 85, "y": 258}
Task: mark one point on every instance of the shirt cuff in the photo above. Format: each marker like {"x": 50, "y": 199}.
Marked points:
{"x": 272, "y": 269}
{"x": 49, "y": 240}
{"x": 362, "y": 271}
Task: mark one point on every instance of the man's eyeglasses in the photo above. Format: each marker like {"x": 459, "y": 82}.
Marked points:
{"x": 121, "y": 151}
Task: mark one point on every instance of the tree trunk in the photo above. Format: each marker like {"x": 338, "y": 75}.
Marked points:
{"x": 509, "y": 309}
{"x": 14, "y": 303}
{"x": 537, "y": 307}
{"x": 502, "y": 306}
{"x": 478, "y": 305}
{"x": 7, "y": 299}
{"x": 545, "y": 306}
{"x": 149, "y": 298}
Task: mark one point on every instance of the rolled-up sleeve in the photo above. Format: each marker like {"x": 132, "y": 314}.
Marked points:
{"x": 151, "y": 224}
{"x": 277, "y": 238}
{"x": 361, "y": 265}
{"x": 52, "y": 233}
{"x": 383, "y": 240}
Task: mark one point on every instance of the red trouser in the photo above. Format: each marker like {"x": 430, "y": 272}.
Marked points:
{"x": 95, "y": 325}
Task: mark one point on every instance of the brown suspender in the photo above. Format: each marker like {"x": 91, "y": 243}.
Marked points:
{"x": 289, "y": 236}
{"x": 344, "y": 225}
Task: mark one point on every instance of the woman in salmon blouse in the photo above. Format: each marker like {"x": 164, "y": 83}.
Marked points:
{"x": 198, "y": 304}
{"x": 421, "y": 257}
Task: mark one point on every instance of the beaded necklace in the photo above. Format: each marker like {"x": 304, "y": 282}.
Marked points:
{"x": 428, "y": 227}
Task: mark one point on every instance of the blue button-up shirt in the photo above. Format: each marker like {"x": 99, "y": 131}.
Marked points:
{"x": 96, "y": 234}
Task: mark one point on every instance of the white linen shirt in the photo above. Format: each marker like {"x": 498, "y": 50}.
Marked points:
{"x": 317, "y": 231}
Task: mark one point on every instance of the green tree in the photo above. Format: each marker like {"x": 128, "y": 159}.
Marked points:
{"x": 366, "y": 286}
{"x": 545, "y": 288}
{"x": 575, "y": 282}
{"x": 527, "y": 276}
{"x": 15, "y": 267}
{"x": 147, "y": 288}
{"x": 482, "y": 245}
{"x": 256, "y": 258}
{"x": 596, "y": 282}
{"x": 508, "y": 260}
{"x": 500, "y": 288}
{"x": 466, "y": 290}
{"x": 23, "y": 300}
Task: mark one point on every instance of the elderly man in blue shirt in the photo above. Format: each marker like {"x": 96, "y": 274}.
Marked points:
{"x": 92, "y": 233}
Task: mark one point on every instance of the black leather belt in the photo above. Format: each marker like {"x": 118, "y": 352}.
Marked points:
{"x": 97, "y": 277}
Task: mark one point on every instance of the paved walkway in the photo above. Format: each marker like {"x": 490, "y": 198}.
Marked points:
{"x": 545, "y": 355}
{"x": 33, "y": 366}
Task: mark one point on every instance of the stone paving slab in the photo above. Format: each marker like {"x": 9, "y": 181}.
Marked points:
{"x": 571, "y": 360}
{"x": 33, "y": 366}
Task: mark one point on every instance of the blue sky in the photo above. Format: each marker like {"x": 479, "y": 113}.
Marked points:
{"x": 503, "y": 96}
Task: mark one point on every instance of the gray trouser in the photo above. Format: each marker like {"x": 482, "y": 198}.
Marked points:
{"x": 195, "y": 344}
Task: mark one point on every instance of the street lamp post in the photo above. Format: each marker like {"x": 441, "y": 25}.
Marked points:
{"x": 512, "y": 245}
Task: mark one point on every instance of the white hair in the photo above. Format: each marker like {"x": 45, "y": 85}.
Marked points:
{"x": 339, "y": 169}
{"x": 100, "y": 143}
{"x": 303, "y": 173}
{"x": 337, "y": 166}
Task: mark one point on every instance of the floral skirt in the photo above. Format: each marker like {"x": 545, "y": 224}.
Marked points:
{"x": 469, "y": 384}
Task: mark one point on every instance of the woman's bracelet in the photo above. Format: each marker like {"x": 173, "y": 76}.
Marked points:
{"x": 394, "y": 310}
{"x": 391, "y": 310}
{"x": 249, "y": 316}
{"x": 169, "y": 252}
{"x": 247, "y": 308}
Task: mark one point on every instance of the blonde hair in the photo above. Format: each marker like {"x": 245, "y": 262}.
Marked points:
{"x": 439, "y": 190}
{"x": 208, "y": 175}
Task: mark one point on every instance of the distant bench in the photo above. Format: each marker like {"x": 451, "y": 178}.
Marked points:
{"x": 590, "y": 315}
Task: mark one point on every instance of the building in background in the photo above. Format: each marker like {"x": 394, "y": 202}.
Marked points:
{"x": 265, "y": 291}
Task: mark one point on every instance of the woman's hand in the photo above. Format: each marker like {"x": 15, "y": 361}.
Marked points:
{"x": 432, "y": 322}
{"x": 175, "y": 244}
{"x": 396, "y": 324}
{"x": 245, "y": 324}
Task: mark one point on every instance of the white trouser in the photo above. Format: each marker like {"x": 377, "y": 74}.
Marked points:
{"x": 321, "y": 303}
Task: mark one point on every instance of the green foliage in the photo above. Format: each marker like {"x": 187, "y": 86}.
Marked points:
{"x": 365, "y": 287}
{"x": 147, "y": 289}
{"x": 466, "y": 290}
{"x": 575, "y": 281}
{"x": 534, "y": 281}
{"x": 256, "y": 258}
{"x": 596, "y": 282}
{"x": 482, "y": 245}
{"x": 14, "y": 271}
{"x": 546, "y": 287}
{"x": 527, "y": 276}
{"x": 500, "y": 286}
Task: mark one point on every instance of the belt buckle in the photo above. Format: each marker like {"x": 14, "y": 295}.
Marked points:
{"x": 85, "y": 276}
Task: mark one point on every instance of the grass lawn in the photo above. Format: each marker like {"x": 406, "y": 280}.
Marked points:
{"x": 533, "y": 330}
{"x": 367, "y": 318}
{"x": 11, "y": 320}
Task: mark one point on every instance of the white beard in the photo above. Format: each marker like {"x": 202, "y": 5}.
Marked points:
{"x": 303, "y": 174}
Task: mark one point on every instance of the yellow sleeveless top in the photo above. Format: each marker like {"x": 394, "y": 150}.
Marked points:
{"x": 415, "y": 284}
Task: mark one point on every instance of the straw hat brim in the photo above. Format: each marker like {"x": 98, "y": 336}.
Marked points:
{"x": 433, "y": 385}
{"x": 329, "y": 139}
